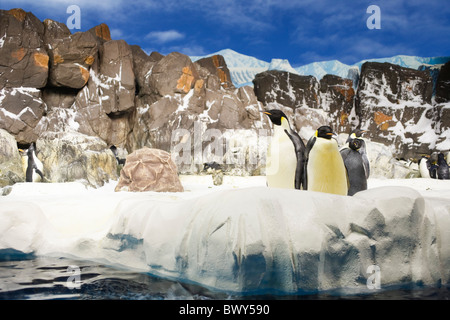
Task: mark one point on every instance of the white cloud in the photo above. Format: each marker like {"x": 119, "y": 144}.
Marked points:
{"x": 165, "y": 36}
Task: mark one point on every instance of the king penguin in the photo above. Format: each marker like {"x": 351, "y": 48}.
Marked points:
{"x": 285, "y": 154}
{"x": 32, "y": 165}
{"x": 354, "y": 164}
{"x": 325, "y": 169}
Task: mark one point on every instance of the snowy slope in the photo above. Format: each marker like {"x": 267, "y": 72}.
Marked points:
{"x": 241, "y": 236}
{"x": 244, "y": 68}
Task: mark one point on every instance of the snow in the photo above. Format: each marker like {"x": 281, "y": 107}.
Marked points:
{"x": 240, "y": 236}
{"x": 243, "y": 68}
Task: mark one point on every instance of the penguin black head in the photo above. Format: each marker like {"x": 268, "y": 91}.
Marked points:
{"x": 325, "y": 132}
{"x": 355, "y": 144}
{"x": 275, "y": 116}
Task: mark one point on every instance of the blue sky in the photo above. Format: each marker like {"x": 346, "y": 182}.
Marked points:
{"x": 300, "y": 31}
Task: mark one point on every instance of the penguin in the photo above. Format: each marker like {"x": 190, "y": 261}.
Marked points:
{"x": 354, "y": 164}
{"x": 442, "y": 169}
{"x": 34, "y": 167}
{"x": 325, "y": 169}
{"x": 120, "y": 161}
{"x": 424, "y": 167}
{"x": 285, "y": 154}
{"x": 357, "y": 134}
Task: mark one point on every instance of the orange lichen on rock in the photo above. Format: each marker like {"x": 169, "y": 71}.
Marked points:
{"x": 19, "y": 14}
{"x": 84, "y": 74}
{"x": 186, "y": 80}
{"x": 57, "y": 59}
{"x": 382, "y": 120}
{"x": 198, "y": 85}
{"x": 41, "y": 59}
{"x": 89, "y": 60}
{"x": 347, "y": 91}
{"x": 18, "y": 54}
{"x": 222, "y": 75}
{"x": 343, "y": 118}
{"x": 102, "y": 31}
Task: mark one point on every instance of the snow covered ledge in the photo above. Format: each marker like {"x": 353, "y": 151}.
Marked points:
{"x": 266, "y": 240}
{"x": 247, "y": 240}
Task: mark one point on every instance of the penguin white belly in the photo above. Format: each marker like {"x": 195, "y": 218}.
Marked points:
{"x": 40, "y": 166}
{"x": 326, "y": 171}
{"x": 424, "y": 172}
{"x": 281, "y": 162}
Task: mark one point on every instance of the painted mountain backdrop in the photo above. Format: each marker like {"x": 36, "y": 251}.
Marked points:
{"x": 243, "y": 68}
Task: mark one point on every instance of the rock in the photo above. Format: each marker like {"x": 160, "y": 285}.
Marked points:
{"x": 149, "y": 169}
{"x": 70, "y": 156}
{"x": 337, "y": 99}
{"x": 71, "y": 57}
{"x": 393, "y": 104}
{"x": 443, "y": 84}
{"x": 23, "y": 58}
{"x": 216, "y": 65}
{"x": 142, "y": 67}
{"x": 21, "y": 111}
{"x": 288, "y": 89}
{"x": 173, "y": 73}
{"x": 101, "y": 33}
{"x": 11, "y": 170}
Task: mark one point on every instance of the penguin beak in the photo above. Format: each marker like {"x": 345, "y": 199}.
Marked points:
{"x": 265, "y": 112}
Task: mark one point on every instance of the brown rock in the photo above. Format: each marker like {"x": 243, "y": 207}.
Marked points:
{"x": 173, "y": 73}
{"x": 216, "y": 65}
{"x": 149, "y": 169}
{"x": 23, "y": 58}
{"x": 71, "y": 58}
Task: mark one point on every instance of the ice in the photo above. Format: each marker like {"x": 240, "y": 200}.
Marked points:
{"x": 241, "y": 236}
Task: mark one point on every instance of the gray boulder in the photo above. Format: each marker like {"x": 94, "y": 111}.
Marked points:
{"x": 69, "y": 157}
{"x": 11, "y": 169}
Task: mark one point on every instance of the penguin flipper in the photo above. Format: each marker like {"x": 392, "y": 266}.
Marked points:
{"x": 39, "y": 172}
{"x": 308, "y": 148}
{"x": 300, "y": 148}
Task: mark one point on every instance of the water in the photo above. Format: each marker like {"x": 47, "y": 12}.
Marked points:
{"x": 43, "y": 278}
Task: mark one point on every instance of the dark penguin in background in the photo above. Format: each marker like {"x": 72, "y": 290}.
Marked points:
{"x": 357, "y": 134}
{"x": 34, "y": 167}
{"x": 325, "y": 169}
{"x": 442, "y": 168}
{"x": 119, "y": 160}
{"x": 285, "y": 154}
{"x": 354, "y": 163}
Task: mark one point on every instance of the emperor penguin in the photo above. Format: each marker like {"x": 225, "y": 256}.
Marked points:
{"x": 325, "y": 169}
{"x": 357, "y": 134}
{"x": 442, "y": 169}
{"x": 32, "y": 165}
{"x": 354, "y": 164}
{"x": 285, "y": 154}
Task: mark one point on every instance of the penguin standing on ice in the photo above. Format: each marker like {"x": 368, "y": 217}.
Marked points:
{"x": 442, "y": 169}
{"x": 285, "y": 154}
{"x": 354, "y": 164}
{"x": 34, "y": 167}
{"x": 357, "y": 134}
{"x": 325, "y": 169}
{"x": 424, "y": 167}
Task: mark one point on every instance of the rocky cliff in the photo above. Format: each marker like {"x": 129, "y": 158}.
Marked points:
{"x": 87, "y": 85}
{"x": 395, "y": 105}
{"x": 54, "y": 81}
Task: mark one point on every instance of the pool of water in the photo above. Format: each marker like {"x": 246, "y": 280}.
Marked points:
{"x": 43, "y": 278}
